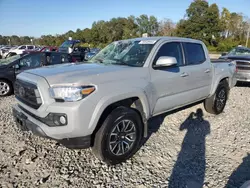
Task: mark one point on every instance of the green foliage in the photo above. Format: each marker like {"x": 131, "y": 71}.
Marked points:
{"x": 202, "y": 22}
{"x": 227, "y": 45}
{"x": 212, "y": 49}
{"x": 195, "y": 24}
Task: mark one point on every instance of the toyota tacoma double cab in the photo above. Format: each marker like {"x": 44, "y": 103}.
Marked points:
{"x": 106, "y": 103}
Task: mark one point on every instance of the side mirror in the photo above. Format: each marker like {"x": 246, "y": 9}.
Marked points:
{"x": 223, "y": 53}
{"x": 166, "y": 61}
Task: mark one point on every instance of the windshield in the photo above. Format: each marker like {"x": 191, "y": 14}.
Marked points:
{"x": 9, "y": 59}
{"x": 240, "y": 51}
{"x": 130, "y": 53}
{"x": 67, "y": 44}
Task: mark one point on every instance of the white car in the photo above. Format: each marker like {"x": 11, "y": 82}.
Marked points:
{"x": 4, "y": 50}
{"x": 22, "y": 48}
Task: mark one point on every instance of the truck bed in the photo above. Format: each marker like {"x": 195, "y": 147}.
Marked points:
{"x": 220, "y": 60}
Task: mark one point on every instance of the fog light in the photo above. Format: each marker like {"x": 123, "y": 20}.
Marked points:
{"x": 55, "y": 119}
{"x": 63, "y": 120}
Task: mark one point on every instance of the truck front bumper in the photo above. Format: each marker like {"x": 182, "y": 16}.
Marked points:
{"x": 22, "y": 121}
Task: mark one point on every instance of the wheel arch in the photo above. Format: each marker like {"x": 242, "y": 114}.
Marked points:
{"x": 137, "y": 102}
{"x": 10, "y": 82}
{"x": 218, "y": 82}
{"x": 7, "y": 80}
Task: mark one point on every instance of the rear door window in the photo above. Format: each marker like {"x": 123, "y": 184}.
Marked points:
{"x": 194, "y": 53}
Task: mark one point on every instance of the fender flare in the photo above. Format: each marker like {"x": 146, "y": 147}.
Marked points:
{"x": 111, "y": 99}
{"x": 223, "y": 77}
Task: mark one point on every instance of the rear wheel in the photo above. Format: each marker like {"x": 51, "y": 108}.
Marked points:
{"x": 217, "y": 102}
{"x": 119, "y": 137}
{"x": 5, "y": 88}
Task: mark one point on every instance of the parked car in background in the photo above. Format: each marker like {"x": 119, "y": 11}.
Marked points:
{"x": 10, "y": 54}
{"x": 12, "y": 66}
{"x": 236, "y": 52}
{"x": 105, "y": 104}
{"x": 92, "y": 53}
{"x": 43, "y": 49}
{"x": 48, "y": 49}
{"x": 68, "y": 46}
{"x": 22, "y": 48}
{"x": 79, "y": 53}
{"x": 242, "y": 65}
{"x": 3, "y": 51}
{"x": 72, "y": 47}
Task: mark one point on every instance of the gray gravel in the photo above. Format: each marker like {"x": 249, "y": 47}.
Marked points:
{"x": 187, "y": 150}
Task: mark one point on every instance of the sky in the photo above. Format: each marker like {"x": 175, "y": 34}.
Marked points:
{"x": 42, "y": 17}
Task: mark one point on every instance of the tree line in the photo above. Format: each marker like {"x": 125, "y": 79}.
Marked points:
{"x": 219, "y": 30}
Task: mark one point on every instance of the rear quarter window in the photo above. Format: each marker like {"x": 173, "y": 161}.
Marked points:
{"x": 194, "y": 53}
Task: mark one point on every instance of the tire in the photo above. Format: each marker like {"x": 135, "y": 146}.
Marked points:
{"x": 112, "y": 149}
{"x": 217, "y": 102}
{"x": 6, "y": 88}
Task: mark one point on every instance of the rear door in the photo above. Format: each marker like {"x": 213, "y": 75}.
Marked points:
{"x": 199, "y": 69}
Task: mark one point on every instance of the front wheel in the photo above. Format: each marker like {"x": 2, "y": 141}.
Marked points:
{"x": 119, "y": 137}
{"x": 5, "y": 88}
{"x": 217, "y": 102}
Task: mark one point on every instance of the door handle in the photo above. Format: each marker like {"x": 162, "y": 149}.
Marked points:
{"x": 207, "y": 71}
{"x": 184, "y": 74}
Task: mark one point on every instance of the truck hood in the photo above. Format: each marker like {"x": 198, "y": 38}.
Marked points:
{"x": 87, "y": 73}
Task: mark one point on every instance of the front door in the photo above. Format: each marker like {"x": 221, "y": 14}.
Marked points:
{"x": 171, "y": 84}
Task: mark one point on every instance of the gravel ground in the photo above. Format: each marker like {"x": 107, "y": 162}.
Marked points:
{"x": 191, "y": 148}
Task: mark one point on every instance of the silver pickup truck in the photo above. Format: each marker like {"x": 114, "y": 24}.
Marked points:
{"x": 106, "y": 102}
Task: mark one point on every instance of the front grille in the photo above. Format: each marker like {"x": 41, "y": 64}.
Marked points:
{"x": 27, "y": 93}
{"x": 243, "y": 65}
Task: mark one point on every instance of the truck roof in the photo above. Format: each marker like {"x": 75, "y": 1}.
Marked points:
{"x": 165, "y": 38}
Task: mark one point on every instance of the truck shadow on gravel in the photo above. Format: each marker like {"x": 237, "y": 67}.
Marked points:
{"x": 240, "y": 175}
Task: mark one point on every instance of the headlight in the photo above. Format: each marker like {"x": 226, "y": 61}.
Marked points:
{"x": 71, "y": 94}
